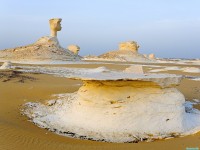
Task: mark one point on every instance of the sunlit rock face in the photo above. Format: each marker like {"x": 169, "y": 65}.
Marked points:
{"x": 118, "y": 107}
{"x": 47, "y": 48}
{"x": 128, "y": 51}
{"x": 55, "y": 26}
{"x": 129, "y": 46}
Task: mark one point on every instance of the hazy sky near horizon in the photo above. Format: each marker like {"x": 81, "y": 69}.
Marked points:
{"x": 169, "y": 28}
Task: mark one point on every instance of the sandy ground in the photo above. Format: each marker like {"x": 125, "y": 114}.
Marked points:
{"x": 19, "y": 134}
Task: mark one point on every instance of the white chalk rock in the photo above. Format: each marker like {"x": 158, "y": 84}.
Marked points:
{"x": 119, "y": 107}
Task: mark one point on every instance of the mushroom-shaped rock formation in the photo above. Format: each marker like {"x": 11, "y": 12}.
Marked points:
{"x": 6, "y": 65}
{"x": 128, "y": 51}
{"x": 46, "y": 50}
{"x": 55, "y": 26}
{"x": 118, "y": 107}
{"x": 74, "y": 48}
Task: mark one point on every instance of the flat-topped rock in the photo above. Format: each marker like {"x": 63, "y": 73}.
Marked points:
{"x": 163, "y": 80}
{"x": 118, "y": 107}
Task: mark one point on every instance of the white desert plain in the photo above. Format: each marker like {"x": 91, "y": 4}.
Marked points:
{"x": 53, "y": 98}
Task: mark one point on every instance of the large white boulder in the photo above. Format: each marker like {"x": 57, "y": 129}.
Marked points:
{"x": 118, "y": 107}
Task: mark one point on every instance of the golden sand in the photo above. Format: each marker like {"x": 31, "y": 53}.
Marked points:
{"x": 17, "y": 133}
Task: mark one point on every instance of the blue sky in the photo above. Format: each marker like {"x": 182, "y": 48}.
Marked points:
{"x": 169, "y": 28}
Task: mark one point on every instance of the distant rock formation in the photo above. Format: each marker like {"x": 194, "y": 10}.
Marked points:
{"x": 128, "y": 52}
{"x": 74, "y": 48}
{"x": 46, "y": 49}
{"x": 152, "y": 56}
{"x": 130, "y": 46}
{"x": 119, "y": 107}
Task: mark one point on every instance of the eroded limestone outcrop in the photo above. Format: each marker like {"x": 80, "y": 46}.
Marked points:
{"x": 118, "y": 107}
{"x": 128, "y": 51}
{"x": 46, "y": 49}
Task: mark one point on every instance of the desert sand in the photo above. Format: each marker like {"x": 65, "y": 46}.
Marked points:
{"x": 18, "y": 88}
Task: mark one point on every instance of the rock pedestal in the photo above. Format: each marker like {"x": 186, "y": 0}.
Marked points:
{"x": 119, "y": 107}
